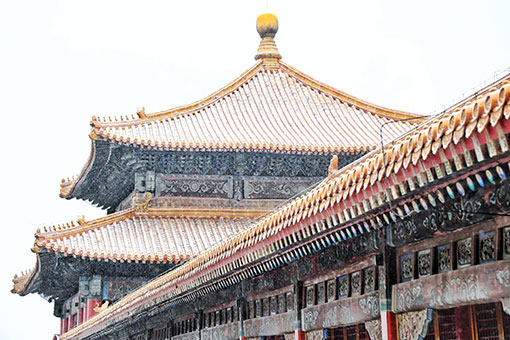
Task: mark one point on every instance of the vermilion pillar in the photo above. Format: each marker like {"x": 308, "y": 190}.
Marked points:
{"x": 71, "y": 322}
{"x": 463, "y": 322}
{"x": 65, "y": 323}
{"x": 62, "y": 323}
{"x": 388, "y": 325}
{"x": 80, "y": 316}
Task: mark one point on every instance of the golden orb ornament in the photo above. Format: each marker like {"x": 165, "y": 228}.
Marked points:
{"x": 267, "y": 25}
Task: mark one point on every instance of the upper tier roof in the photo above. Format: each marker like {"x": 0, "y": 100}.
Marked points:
{"x": 270, "y": 107}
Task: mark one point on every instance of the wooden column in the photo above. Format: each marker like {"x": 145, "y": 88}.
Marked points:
{"x": 241, "y": 312}
{"x": 62, "y": 325}
{"x": 66, "y": 324}
{"x": 388, "y": 277}
{"x": 463, "y": 317}
{"x": 170, "y": 326}
{"x": 199, "y": 317}
{"x": 80, "y": 316}
{"x": 71, "y": 322}
{"x": 298, "y": 305}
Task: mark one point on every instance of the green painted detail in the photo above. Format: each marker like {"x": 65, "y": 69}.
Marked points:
{"x": 385, "y": 305}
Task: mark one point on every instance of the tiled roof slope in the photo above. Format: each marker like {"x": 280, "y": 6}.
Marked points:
{"x": 274, "y": 108}
{"x": 343, "y": 196}
{"x": 132, "y": 236}
{"x": 152, "y": 236}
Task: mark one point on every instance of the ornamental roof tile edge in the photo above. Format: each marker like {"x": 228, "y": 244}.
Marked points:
{"x": 437, "y": 133}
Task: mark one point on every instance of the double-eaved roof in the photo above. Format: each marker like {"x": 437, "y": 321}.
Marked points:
{"x": 272, "y": 107}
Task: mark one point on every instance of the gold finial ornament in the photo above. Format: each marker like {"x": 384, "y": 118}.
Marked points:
{"x": 267, "y": 26}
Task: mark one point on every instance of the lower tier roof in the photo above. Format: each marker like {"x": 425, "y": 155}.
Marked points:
{"x": 151, "y": 235}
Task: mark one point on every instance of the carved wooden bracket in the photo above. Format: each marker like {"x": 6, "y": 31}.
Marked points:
{"x": 374, "y": 329}
{"x": 505, "y": 302}
{"x": 414, "y": 325}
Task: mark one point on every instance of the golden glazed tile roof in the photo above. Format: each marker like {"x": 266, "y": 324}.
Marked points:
{"x": 337, "y": 199}
{"x": 274, "y": 108}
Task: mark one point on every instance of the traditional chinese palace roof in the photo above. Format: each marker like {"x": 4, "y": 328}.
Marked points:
{"x": 426, "y": 167}
{"x": 154, "y": 236}
{"x": 272, "y": 107}
{"x": 271, "y": 110}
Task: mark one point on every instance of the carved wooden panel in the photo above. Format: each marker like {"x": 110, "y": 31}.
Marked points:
{"x": 470, "y": 285}
{"x": 310, "y": 295}
{"x": 289, "y": 301}
{"x": 274, "y": 324}
{"x": 331, "y": 290}
{"x": 265, "y": 307}
{"x": 341, "y": 312}
{"x": 444, "y": 258}
{"x": 487, "y": 247}
{"x": 321, "y": 292}
{"x": 425, "y": 263}
{"x": 229, "y": 331}
{"x": 195, "y": 186}
{"x": 343, "y": 286}
{"x": 465, "y": 252}
{"x": 356, "y": 283}
{"x": 273, "y": 305}
{"x": 406, "y": 267}
{"x": 228, "y": 317}
{"x": 506, "y": 243}
{"x": 187, "y": 336}
{"x": 251, "y": 309}
{"x": 282, "y": 304}
{"x": 257, "y": 188}
{"x": 258, "y": 308}
{"x": 369, "y": 279}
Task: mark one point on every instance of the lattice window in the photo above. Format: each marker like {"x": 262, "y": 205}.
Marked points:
{"x": 431, "y": 332}
{"x": 354, "y": 332}
{"x": 362, "y": 332}
{"x": 140, "y": 336}
{"x": 506, "y": 325}
{"x": 487, "y": 321}
{"x": 275, "y": 337}
{"x": 338, "y": 333}
{"x": 446, "y": 322}
{"x": 351, "y": 332}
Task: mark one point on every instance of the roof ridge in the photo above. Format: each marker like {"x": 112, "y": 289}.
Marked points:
{"x": 381, "y": 111}
{"x": 182, "y": 110}
{"x": 70, "y": 229}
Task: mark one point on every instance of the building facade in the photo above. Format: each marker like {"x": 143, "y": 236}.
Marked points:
{"x": 270, "y": 209}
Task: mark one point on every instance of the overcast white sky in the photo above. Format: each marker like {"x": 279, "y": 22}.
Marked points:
{"x": 63, "y": 61}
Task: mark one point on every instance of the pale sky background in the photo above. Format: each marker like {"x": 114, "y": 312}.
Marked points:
{"x": 63, "y": 61}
